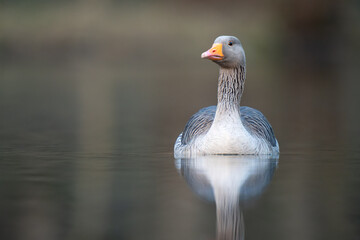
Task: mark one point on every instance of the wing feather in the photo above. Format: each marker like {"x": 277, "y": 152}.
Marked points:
{"x": 257, "y": 124}
{"x": 198, "y": 124}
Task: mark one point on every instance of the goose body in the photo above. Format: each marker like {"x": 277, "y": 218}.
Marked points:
{"x": 227, "y": 128}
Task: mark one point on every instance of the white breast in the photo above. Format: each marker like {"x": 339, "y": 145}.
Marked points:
{"x": 227, "y": 135}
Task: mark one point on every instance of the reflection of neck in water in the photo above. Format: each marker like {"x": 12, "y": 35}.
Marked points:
{"x": 229, "y": 220}
{"x": 228, "y": 180}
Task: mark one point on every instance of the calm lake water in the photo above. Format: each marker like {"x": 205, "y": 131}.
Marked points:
{"x": 81, "y": 165}
{"x": 52, "y": 192}
{"x": 90, "y": 110}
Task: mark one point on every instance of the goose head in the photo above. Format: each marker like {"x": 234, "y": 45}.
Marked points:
{"x": 227, "y": 52}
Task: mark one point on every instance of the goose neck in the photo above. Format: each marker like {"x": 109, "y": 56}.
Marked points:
{"x": 230, "y": 88}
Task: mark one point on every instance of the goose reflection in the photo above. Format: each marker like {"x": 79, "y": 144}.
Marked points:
{"x": 232, "y": 182}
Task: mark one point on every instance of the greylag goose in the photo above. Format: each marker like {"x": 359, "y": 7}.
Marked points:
{"x": 227, "y": 128}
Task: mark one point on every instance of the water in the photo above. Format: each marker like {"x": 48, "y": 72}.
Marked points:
{"x": 52, "y": 194}
{"x": 90, "y": 107}
{"x": 231, "y": 182}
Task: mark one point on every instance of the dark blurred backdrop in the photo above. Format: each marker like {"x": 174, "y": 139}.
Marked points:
{"x": 81, "y": 68}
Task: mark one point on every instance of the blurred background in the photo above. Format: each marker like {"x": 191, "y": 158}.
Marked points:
{"x": 94, "y": 93}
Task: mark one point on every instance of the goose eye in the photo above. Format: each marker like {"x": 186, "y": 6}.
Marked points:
{"x": 230, "y": 43}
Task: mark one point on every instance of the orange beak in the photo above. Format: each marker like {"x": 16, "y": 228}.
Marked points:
{"x": 214, "y": 53}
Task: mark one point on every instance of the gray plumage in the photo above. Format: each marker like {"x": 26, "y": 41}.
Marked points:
{"x": 256, "y": 124}
{"x": 198, "y": 124}
{"x": 253, "y": 120}
{"x": 227, "y": 128}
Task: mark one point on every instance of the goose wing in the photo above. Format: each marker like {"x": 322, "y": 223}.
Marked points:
{"x": 257, "y": 124}
{"x": 198, "y": 124}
